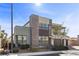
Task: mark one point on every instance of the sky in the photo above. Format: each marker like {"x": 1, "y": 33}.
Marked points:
{"x": 62, "y": 13}
{"x": 5, "y": 17}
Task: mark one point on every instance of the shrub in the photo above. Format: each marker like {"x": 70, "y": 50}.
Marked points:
{"x": 66, "y": 48}
{"x": 26, "y": 46}
{"x": 10, "y": 46}
{"x": 59, "y": 48}
{"x": 15, "y": 50}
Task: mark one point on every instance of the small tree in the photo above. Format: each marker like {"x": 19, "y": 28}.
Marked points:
{"x": 1, "y": 34}
{"x": 59, "y": 30}
{"x": 64, "y": 33}
{"x": 3, "y": 37}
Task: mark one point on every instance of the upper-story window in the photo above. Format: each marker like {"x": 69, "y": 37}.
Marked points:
{"x": 43, "y": 26}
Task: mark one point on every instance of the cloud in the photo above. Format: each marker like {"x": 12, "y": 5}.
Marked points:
{"x": 68, "y": 17}
{"x": 71, "y": 21}
{"x": 44, "y": 11}
{"x": 41, "y": 10}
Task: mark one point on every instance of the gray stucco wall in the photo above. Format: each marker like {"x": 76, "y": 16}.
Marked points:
{"x": 21, "y": 30}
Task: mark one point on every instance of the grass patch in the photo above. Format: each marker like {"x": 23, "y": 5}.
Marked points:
{"x": 35, "y": 49}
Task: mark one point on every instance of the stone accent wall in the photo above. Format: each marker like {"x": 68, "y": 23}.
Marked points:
{"x": 34, "y": 24}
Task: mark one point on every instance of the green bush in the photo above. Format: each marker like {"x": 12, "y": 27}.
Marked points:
{"x": 59, "y": 48}
{"x": 10, "y": 46}
{"x": 26, "y": 46}
{"x": 15, "y": 50}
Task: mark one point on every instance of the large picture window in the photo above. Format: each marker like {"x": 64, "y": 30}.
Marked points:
{"x": 22, "y": 40}
{"x": 43, "y": 40}
{"x": 43, "y": 26}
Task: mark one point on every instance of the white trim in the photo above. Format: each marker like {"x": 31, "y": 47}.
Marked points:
{"x": 64, "y": 42}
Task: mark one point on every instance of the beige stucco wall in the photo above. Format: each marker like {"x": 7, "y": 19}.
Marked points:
{"x": 43, "y": 20}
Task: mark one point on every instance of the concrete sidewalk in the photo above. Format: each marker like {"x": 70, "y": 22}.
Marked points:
{"x": 37, "y": 53}
{"x": 48, "y": 53}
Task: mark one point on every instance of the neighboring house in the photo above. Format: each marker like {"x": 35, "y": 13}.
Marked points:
{"x": 38, "y": 33}
{"x": 0, "y": 37}
{"x": 74, "y": 41}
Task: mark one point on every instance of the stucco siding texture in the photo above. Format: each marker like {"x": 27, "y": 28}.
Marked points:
{"x": 20, "y": 30}
{"x": 24, "y": 31}
{"x": 43, "y": 20}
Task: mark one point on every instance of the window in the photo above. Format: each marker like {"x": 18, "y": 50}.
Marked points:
{"x": 43, "y": 40}
{"x": 43, "y": 26}
{"x": 22, "y": 40}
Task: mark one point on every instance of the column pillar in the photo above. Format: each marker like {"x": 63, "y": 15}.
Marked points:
{"x": 64, "y": 42}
